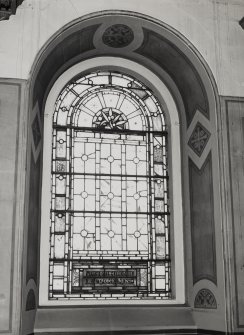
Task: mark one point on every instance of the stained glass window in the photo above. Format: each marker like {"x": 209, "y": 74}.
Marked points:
{"x": 109, "y": 232}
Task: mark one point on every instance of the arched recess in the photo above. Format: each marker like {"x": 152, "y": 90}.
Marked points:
{"x": 172, "y": 123}
{"x": 179, "y": 66}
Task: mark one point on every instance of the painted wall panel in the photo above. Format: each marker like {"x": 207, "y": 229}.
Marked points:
{"x": 164, "y": 53}
{"x": 9, "y": 113}
{"x": 33, "y": 220}
{"x": 202, "y": 222}
{"x": 235, "y": 120}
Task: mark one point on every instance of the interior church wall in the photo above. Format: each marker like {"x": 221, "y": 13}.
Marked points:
{"x": 212, "y": 28}
{"x": 232, "y": 111}
{"x": 210, "y": 25}
{"x": 9, "y": 124}
{"x": 12, "y": 185}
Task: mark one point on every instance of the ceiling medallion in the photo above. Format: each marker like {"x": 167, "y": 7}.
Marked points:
{"x": 118, "y": 36}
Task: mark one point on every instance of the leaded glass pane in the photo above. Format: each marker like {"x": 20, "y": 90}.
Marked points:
{"x": 109, "y": 209}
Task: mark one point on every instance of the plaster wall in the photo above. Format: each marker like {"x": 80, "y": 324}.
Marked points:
{"x": 7, "y": 194}
{"x": 12, "y": 174}
{"x": 234, "y": 110}
{"x": 210, "y": 25}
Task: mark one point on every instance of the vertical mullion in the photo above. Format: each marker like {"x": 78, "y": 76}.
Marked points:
{"x": 97, "y": 195}
{"x": 123, "y": 196}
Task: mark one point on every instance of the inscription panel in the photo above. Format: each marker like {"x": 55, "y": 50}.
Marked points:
{"x": 109, "y": 277}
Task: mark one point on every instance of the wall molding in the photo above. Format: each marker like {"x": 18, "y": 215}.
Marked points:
{"x": 230, "y": 122}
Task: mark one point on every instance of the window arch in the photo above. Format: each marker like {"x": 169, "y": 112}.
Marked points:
{"x": 109, "y": 231}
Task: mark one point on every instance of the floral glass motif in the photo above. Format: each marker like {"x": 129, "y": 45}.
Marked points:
{"x": 109, "y": 229}
{"x": 109, "y": 118}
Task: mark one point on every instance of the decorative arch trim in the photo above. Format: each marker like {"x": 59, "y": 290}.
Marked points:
{"x": 78, "y": 41}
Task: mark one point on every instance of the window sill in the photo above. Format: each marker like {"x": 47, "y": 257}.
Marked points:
{"x": 90, "y": 319}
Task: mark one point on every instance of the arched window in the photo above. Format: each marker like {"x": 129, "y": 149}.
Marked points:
{"x": 110, "y": 208}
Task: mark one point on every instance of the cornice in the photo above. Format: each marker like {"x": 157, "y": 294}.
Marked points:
{"x": 8, "y": 7}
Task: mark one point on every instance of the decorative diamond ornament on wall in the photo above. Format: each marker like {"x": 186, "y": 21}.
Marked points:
{"x": 199, "y": 139}
{"x": 205, "y": 299}
{"x": 118, "y": 36}
{"x": 36, "y": 131}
